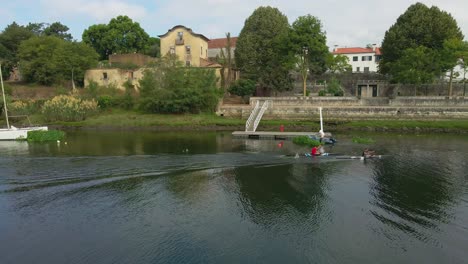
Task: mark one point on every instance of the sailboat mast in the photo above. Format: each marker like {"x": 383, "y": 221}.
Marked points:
{"x": 4, "y": 99}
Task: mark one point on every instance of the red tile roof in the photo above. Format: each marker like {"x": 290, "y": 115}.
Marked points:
{"x": 221, "y": 43}
{"x": 356, "y": 50}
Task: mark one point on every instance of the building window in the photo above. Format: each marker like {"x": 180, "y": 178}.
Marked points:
{"x": 180, "y": 38}
{"x": 357, "y": 69}
{"x": 187, "y": 50}
{"x": 355, "y": 58}
{"x": 172, "y": 50}
{"x": 377, "y": 58}
{"x": 104, "y": 75}
{"x": 188, "y": 63}
{"x": 366, "y": 69}
{"x": 366, "y": 58}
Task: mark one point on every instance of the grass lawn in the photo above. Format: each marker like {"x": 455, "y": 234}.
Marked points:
{"x": 121, "y": 119}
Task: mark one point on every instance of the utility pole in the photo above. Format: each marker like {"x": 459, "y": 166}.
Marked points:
{"x": 304, "y": 69}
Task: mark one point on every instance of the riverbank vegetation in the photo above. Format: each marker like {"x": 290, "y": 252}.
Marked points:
{"x": 305, "y": 141}
{"x": 45, "y": 135}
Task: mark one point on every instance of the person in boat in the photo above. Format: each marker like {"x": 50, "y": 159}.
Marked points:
{"x": 368, "y": 153}
{"x": 321, "y": 149}
{"x": 315, "y": 151}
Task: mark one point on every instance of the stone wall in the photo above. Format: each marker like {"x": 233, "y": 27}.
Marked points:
{"x": 352, "y": 108}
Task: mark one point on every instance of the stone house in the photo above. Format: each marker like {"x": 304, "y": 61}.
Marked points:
{"x": 190, "y": 47}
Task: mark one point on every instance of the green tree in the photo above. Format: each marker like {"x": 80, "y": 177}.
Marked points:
{"x": 51, "y": 60}
{"x": 94, "y": 36}
{"x": 153, "y": 47}
{"x": 169, "y": 87}
{"x": 121, "y": 35}
{"x": 261, "y": 51}
{"x": 307, "y": 33}
{"x": 10, "y": 39}
{"x": 338, "y": 63}
{"x": 420, "y": 26}
{"x": 59, "y": 30}
{"x": 454, "y": 50}
{"x": 413, "y": 66}
{"x": 227, "y": 63}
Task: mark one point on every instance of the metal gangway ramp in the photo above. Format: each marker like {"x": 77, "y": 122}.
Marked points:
{"x": 256, "y": 115}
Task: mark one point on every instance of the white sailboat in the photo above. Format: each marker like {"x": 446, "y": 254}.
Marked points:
{"x": 11, "y": 132}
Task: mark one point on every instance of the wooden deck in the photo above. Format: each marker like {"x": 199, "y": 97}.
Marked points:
{"x": 274, "y": 135}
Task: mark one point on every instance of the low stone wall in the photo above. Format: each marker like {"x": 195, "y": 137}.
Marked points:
{"x": 354, "y": 101}
{"x": 351, "y": 108}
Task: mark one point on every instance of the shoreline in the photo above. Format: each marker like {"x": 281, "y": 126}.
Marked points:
{"x": 295, "y": 128}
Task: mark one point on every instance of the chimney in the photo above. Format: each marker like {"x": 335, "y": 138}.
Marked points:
{"x": 373, "y": 47}
{"x": 335, "y": 48}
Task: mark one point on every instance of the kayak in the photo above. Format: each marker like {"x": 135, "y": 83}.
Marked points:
{"x": 334, "y": 156}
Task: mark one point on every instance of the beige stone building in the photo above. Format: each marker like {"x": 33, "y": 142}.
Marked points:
{"x": 114, "y": 77}
{"x": 191, "y": 48}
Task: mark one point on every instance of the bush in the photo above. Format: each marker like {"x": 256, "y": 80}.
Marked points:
{"x": 243, "y": 87}
{"x": 68, "y": 108}
{"x": 22, "y": 107}
{"x": 170, "y": 87}
{"x": 105, "y": 101}
{"x": 305, "y": 141}
{"x": 334, "y": 87}
{"x": 322, "y": 93}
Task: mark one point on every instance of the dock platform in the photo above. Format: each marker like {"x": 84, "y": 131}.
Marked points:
{"x": 274, "y": 135}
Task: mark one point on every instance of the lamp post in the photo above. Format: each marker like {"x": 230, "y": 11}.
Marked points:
{"x": 304, "y": 69}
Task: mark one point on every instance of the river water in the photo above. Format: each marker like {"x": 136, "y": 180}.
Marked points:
{"x": 204, "y": 197}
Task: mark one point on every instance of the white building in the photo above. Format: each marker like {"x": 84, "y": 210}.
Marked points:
{"x": 361, "y": 59}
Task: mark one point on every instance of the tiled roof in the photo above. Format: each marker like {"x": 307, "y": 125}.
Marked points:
{"x": 221, "y": 43}
{"x": 356, "y": 50}
{"x": 209, "y": 64}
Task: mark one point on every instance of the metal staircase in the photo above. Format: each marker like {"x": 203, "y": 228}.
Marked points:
{"x": 256, "y": 116}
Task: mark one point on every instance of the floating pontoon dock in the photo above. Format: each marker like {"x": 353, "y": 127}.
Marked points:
{"x": 274, "y": 135}
{"x": 256, "y": 116}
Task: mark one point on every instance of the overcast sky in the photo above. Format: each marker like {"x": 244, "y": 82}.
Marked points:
{"x": 347, "y": 23}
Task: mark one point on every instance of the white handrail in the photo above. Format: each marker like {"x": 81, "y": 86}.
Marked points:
{"x": 260, "y": 114}
{"x": 252, "y": 115}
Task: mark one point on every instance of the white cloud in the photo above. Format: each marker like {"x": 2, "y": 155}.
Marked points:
{"x": 99, "y": 10}
{"x": 347, "y": 23}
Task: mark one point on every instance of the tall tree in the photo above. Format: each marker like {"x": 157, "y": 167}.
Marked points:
{"x": 51, "y": 60}
{"x": 454, "y": 50}
{"x": 413, "y": 66}
{"x": 59, "y": 30}
{"x": 10, "y": 40}
{"x": 121, "y": 35}
{"x": 419, "y": 26}
{"x": 227, "y": 63}
{"x": 261, "y": 51}
{"x": 309, "y": 45}
{"x": 13, "y": 35}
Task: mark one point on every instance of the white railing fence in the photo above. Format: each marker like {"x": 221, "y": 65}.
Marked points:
{"x": 252, "y": 116}
{"x": 260, "y": 114}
